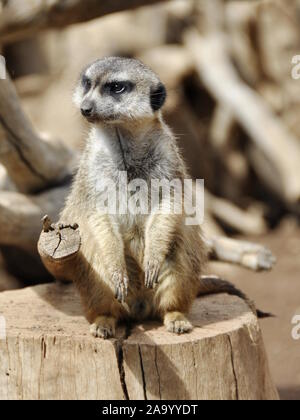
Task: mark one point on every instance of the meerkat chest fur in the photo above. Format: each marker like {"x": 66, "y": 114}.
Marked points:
{"x": 116, "y": 156}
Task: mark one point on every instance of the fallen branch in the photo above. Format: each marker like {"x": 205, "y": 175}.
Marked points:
{"x": 23, "y": 18}
{"x": 223, "y": 139}
{"x": 5, "y": 181}
{"x": 31, "y": 162}
{"x": 59, "y": 245}
{"x": 247, "y": 222}
{"x": 20, "y": 216}
{"x": 246, "y": 254}
{"x": 7, "y": 281}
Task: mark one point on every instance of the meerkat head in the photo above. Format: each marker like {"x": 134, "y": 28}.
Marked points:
{"x": 116, "y": 90}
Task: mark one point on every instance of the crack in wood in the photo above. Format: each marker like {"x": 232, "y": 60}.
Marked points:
{"x": 233, "y": 369}
{"x": 58, "y": 245}
{"x": 158, "y": 375}
{"x": 143, "y": 373}
{"x": 120, "y": 360}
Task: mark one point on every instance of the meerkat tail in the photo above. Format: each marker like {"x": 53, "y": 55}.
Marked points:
{"x": 210, "y": 285}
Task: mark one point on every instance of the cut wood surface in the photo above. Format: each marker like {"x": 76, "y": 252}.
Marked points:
{"x": 49, "y": 354}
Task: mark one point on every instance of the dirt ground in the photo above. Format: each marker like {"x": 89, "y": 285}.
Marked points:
{"x": 277, "y": 292}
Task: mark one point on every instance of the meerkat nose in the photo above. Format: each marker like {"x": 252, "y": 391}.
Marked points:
{"x": 87, "y": 108}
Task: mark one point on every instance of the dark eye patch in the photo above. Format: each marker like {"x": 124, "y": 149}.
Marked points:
{"x": 86, "y": 83}
{"x": 117, "y": 88}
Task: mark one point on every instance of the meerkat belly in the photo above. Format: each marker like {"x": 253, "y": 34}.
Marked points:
{"x": 132, "y": 231}
{"x": 139, "y": 299}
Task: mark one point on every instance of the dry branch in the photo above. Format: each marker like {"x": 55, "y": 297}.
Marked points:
{"x": 22, "y": 18}
{"x": 269, "y": 135}
{"x": 222, "y": 126}
{"x": 5, "y": 181}
{"x": 247, "y": 222}
{"x": 20, "y": 216}
{"x": 7, "y": 281}
{"x": 31, "y": 162}
{"x": 247, "y": 254}
{"x": 223, "y": 139}
{"x": 59, "y": 245}
{"x": 48, "y": 354}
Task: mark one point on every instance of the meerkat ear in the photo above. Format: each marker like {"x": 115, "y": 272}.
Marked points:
{"x": 158, "y": 97}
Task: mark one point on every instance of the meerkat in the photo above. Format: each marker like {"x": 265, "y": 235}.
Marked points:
{"x": 130, "y": 266}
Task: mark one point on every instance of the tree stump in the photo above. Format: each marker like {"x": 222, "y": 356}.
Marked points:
{"x": 48, "y": 353}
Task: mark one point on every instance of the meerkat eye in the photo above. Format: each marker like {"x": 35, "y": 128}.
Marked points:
{"x": 117, "y": 88}
{"x": 86, "y": 83}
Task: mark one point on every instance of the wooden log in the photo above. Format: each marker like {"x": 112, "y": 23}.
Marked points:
{"x": 20, "y": 19}
{"x": 48, "y": 353}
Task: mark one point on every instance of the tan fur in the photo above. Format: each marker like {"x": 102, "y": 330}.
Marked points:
{"x": 151, "y": 263}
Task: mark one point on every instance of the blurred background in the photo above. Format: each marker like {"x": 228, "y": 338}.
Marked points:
{"x": 233, "y": 79}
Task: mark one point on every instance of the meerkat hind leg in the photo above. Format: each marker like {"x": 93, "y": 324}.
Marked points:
{"x": 104, "y": 327}
{"x": 177, "y": 323}
{"x": 101, "y": 308}
{"x": 173, "y": 298}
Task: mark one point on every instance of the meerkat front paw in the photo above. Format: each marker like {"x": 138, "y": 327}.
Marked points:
{"x": 104, "y": 327}
{"x": 177, "y": 323}
{"x": 120, "y": 281}
{"x": 152, "y": 274}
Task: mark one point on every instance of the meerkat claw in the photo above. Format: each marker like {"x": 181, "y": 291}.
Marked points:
{"x": 121, "y": 287}
{"x": 103, "y": 327}
{"x": 180, "y": 327}
{"x": 177, "y": 323}
{"x": 151, "y": 275}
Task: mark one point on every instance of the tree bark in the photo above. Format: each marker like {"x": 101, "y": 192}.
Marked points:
{"x": 48, "y": 354}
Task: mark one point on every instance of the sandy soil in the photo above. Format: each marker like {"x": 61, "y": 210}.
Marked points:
{"x": 279, "y": 293}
